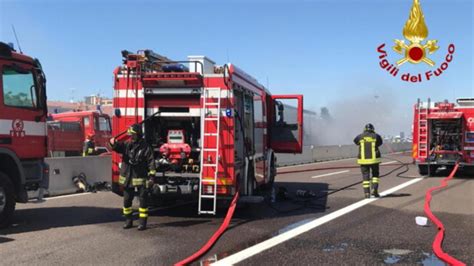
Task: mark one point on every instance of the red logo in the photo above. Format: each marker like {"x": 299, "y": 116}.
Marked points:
{"x": 17, "y": 128}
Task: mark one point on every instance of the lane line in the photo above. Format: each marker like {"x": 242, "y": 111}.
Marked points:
{"x": 305, "y": 164}
{"x": 67, "y": 196}
{"x": 385, "y": 163}
{"x": 331, "y": 161}
{"x": 267, "y": 244}
{"x": 329, "y": 174}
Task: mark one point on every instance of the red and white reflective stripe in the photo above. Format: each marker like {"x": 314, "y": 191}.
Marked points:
{"x": 130, "y": 93}
{"x": 132, "y": 111}
{"x": 150, "y": 111}
{"x": 125, "y": 76}
{"x": 193, "y": 112}
{"x": 30, "y": 128}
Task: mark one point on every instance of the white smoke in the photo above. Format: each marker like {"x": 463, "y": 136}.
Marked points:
{"x": 349, "y": 116}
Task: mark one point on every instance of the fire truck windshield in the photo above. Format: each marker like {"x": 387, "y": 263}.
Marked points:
{"x": 104, "y": 124}
{"x": 19, "y": 88}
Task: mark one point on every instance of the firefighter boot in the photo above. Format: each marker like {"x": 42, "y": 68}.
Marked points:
{"x": 366, "y": 186}
{"x": 128, "y": 222}
{"x": 143, "y": 214}
{"x": 142, "y": 224}
{"x": 127, "y": 213}
{"x": 375, "y": 187}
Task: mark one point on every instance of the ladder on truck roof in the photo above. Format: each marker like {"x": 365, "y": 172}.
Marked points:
{"x": 210, "y": 131}
{"x": 423, "y": 129}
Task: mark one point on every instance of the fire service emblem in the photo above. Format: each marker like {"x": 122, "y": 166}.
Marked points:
{"x": 17, "y": 128}
{"x": 416, "y": 50}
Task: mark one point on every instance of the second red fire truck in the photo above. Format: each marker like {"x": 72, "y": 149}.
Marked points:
{"x": 215, "y": 130}
{"x": 443, "y": 134}
{"x": 67, "y": 132}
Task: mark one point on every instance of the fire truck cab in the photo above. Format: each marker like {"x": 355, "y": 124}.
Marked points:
{"x": 443, "y": 134}
{"x": 231, "y": 123}
{"x": 23, "y": 143}
{"x": 91, "y": 122}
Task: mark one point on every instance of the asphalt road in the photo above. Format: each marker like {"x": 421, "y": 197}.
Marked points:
{"x": 86, "y": 228}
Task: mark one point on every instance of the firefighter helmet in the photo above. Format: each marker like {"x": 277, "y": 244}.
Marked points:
{"x": 369, "y": 127}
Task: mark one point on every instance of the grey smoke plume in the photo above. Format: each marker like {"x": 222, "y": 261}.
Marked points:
{"x": 349, "y": 116}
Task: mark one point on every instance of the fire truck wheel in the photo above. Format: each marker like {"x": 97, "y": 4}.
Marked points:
{"x": 7, "y": 200}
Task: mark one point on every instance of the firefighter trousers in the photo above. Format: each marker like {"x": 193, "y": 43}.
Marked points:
{"x": 367, "y": 181}
{"x": 129, "y": 194}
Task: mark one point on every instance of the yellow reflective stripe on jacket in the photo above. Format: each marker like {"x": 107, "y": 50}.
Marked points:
{"x": 135, "y": 181}
{"x": 127, "y": 210}
{"x": 138, "y": 182}
{"x": 152, "y": 172}
{"x": 373, "y": 155}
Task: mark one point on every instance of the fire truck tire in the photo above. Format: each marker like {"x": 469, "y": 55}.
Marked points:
{"x": 7, "y": 200}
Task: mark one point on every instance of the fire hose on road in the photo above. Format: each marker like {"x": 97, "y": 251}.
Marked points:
{"x": 230, "y": 213}
{"x": 215, "y": 236}
{"x": 438, "y": 241}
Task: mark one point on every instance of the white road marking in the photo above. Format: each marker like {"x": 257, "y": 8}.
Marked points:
{"x": 67, "y": 196}
{"x": 385, "y": 163}
{"x": 329, "y": 174}
{"x": 267, "y": 244}
{"x": 330, "y": 161}
{"x": 305, "y": 164}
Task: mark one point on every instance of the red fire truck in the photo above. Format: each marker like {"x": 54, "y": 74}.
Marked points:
{"x": 23, "y": 141}
{"x": 91, "y": 122}
{"x": 231, "y": 123}
{"x": 65, "y": 139}
{"x": 443, "y": 134}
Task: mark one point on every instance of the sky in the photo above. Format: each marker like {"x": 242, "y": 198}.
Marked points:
{"x": 326, "y": 50}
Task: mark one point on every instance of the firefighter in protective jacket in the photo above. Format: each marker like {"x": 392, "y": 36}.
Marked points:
{"x": 137, "y": 173}
{"x": 369, "y": 159}
{"x": 89, "y": 146}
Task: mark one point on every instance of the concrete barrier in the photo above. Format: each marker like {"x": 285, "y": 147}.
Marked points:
{"x": 96, "y": 169}
{"x": 326, "y": 153}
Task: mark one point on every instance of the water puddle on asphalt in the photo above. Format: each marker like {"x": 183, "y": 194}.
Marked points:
{"x": 431, "y": 260}
{"x": 392, "y": 259}
{"x": 397, "y": 255}
{"x": 338, "y": 247}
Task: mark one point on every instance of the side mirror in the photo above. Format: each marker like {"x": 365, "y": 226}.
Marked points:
{"x": 117, "y": 113}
